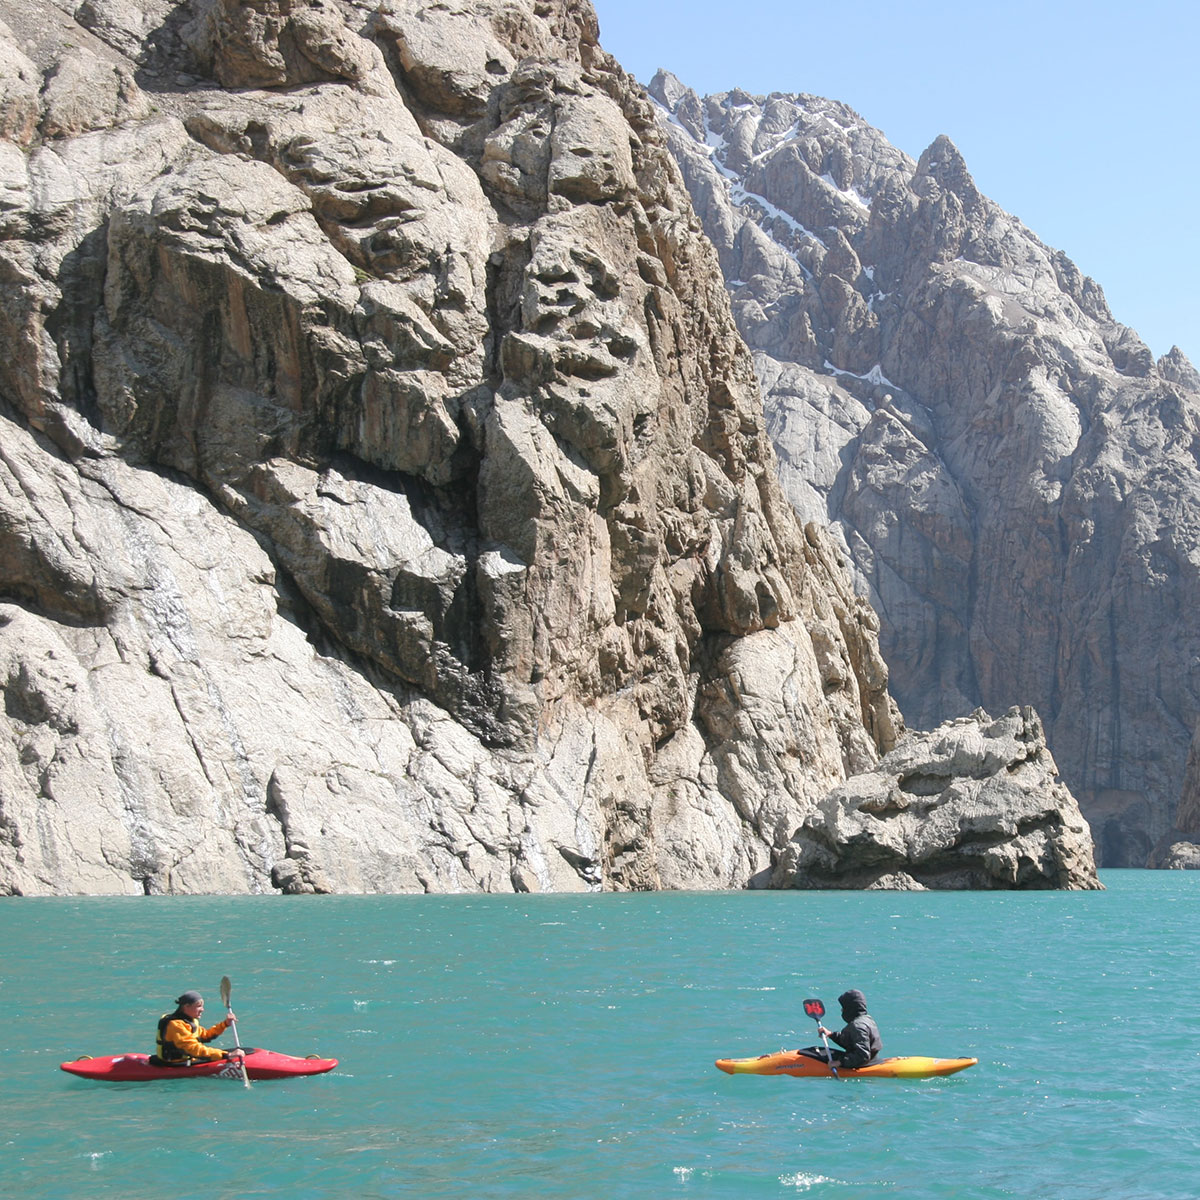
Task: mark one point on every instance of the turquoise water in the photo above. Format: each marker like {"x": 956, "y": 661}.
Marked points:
{"x": 563, "y": 1046}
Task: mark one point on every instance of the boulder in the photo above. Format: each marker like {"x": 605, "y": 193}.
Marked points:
{"x": 976, "y": 803}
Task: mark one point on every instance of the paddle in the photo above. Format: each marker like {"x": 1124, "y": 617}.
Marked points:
{"x": 226, "y": 991}
{"x": 816, "y": 1010}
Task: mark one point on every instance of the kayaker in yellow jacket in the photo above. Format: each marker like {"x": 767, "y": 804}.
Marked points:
{"x": 182, "y": 1039}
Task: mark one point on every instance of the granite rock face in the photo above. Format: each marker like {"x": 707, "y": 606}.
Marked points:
{"x": 977, "y": 803}
{"x": 386, "y": 502}
{"x": 1014, "y": 479}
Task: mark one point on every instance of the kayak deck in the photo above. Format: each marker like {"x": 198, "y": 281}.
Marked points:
{"x": 795, "y": 1062}
{"x": 137, "y": 1068}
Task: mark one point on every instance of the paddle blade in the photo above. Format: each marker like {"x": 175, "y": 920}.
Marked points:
{"x": 814, "y": 1009}
{"x": 227, "y": 990}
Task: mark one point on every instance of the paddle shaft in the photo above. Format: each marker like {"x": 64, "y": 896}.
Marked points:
{"x": 226, "y": 992}
{"x": 828, "y": 1052}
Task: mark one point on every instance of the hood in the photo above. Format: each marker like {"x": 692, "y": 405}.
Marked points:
{"x": 853, "y": 1003}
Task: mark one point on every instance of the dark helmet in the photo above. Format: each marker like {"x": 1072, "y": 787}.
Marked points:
{"x": 189, "y": 998}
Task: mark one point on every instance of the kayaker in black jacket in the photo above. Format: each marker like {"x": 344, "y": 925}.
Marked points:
{"x": 859, "y": 1040}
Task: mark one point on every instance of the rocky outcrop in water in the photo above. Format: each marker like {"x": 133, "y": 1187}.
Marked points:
{"x": 385, "y": 497}
{"x": 1015, "y": 480}
{"x": 977, "y": 803}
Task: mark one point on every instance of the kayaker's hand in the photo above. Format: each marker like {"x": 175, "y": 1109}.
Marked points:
{"x": 822, "y": 1031}
{"x": 231, "y": 1019}
{"x": 236, "y": 1056}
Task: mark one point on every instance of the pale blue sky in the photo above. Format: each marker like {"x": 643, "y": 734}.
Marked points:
{"x": 1082, "y": 119}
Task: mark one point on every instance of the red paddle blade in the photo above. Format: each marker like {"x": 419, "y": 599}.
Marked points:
{"x": 814, "y": 1009}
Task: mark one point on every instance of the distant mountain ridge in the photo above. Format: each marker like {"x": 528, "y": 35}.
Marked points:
{"x": 1014, "y": 477}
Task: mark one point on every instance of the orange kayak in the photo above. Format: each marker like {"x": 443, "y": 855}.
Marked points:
{"x": 793, "y": 1062}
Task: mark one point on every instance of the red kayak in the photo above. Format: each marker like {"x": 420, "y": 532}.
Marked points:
{"x": 137, "y": 1068}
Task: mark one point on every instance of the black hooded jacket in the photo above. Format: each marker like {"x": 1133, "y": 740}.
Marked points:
{"x": 860, "y": 1038}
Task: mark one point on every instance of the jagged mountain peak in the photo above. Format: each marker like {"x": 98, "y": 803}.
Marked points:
{"x": 762, "y": 124}
{"x": 669, "y": 89}
{"x": 943, "y": 165}
{"x": 1176, "y": 367}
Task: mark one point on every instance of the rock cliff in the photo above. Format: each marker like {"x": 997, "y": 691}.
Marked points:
{"x": 1015, "y": 480}
{"x": 385, "y": 497}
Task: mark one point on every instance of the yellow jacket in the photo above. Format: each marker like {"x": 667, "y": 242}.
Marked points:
{"x": 187, "y": 1040}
